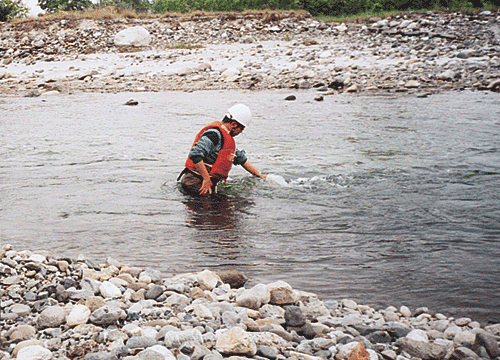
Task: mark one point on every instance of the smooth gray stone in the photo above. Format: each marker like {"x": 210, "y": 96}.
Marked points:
{"x": 140, "y": 342}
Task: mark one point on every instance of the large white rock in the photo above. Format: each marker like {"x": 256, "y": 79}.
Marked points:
{"x": 314, "y": 309}
{"x": 134, "y": 36}
{"x": 235, "y": 341}
{"x": 37, "y": 258}
{"x": 34, "y": 352}
{"x": 465, "y": 338}
{"x": 282, "y": 293}
{"x": 255, "y": 297}
{"x": 230, "y": 73}
{"x": 20, "y": 309}
{"x": 207, "y": 279}
{"x": 269, "y": 339}
{"x": 109, "y": 290}
{"x": 174, "y": 339}
{"x": 167, "y": 354}
{"x": 419, "y": 335}
{"x": 80, "y": 314}
{"x": 202, "y": 312}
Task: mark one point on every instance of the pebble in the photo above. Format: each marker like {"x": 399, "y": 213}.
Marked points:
{"x": 422, "y": 52}
{"x": 197, "y": 316}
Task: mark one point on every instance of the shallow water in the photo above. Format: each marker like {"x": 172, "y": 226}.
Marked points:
{"x": 391, "y": 200}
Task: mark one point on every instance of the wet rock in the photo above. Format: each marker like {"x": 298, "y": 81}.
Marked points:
{"x": 132, "y": 102}
{"x": 232, "y": 277}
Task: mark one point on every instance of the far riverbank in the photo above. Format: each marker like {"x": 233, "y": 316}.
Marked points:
{"x": 419, "y": 53}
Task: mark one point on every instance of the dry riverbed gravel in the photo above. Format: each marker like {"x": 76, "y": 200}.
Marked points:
{"x": 417, "y": 53}
{"x": 57, "y": 307}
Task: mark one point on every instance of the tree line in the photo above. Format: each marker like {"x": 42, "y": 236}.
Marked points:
{"x": 11, "y": 9}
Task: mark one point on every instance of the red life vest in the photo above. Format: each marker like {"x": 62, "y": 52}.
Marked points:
{"x": 224, "y": 162}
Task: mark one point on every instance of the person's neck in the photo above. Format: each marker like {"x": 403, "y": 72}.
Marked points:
{"x": 225, "y": 128}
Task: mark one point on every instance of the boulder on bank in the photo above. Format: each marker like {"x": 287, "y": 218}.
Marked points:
{"x": 136, "y": 36}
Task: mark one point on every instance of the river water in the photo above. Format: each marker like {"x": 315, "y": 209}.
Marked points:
{"x": 391, "y": 200}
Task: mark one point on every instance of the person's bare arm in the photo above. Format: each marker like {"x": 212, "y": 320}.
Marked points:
{"x": 248, "y": 166}
{"x": 206, "y": 186}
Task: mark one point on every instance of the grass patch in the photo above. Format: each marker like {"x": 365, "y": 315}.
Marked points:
{"x": 183, "y": 46}
{"x": 129, "y": 49}
{"x": 365, "y": 17}
{"x": 309, "y": 42}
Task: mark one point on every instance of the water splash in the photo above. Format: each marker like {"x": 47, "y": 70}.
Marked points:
{"x": 278, "y": 179}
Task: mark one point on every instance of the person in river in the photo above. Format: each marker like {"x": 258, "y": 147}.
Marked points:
{"x": 214, "y": 152}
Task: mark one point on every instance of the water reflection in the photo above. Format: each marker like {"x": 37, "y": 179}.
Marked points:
{"x": 218, "y": 221}
{"x": 217, "y": 212}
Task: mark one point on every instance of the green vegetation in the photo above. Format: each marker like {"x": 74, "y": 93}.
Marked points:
{"x": 136, "y": 5}
{"x": 356, "y": 8}
{"x": 184, "y": 6}
{"x": 52, "y": 6}
{"x": 11, "y": 9}
{"x": 327, "y": 10}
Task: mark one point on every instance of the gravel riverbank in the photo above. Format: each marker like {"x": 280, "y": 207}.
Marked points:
{"x": 58, "y": 307}
{"x": 419, "y": 53}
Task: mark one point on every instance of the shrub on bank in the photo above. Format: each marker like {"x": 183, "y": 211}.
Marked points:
{"x": 353, "y": 7}
{"x": 11, "y": 9}
{"x": 52, "y": 6}
{"x": 184, "y": 6}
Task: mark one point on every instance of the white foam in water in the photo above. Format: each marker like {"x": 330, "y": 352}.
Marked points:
{"x": 277, "y": 179}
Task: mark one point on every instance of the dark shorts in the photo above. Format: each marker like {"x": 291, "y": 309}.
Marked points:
{"x": 191, "y": 183}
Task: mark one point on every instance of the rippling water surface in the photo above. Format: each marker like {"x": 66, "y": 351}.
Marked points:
{"x": 392, "y": 200}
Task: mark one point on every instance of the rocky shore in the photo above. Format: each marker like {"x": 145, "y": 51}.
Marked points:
{"x": 59, "y": 307}
{"x": 419, "y": 53}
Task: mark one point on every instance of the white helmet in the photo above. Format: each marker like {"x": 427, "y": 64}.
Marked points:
{"x": 241, "y": 113}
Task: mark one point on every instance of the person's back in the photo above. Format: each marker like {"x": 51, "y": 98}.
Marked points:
{"x": 214, "y": 152}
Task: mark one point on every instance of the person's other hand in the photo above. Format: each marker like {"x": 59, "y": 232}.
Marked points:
{"x": 206, "y": 187}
